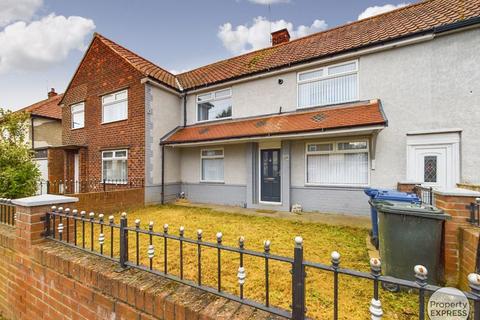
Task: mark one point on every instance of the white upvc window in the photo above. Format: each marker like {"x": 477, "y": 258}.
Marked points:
{"x": 114, "y": 166}
{"x": 337, "y": 163}
{"x": 214, "y": 105}
{"x": 115, "y": 106}
{"x": 78, "y": 115}
{"x": 212, "y": 165}
{"x": 328, "y": 85}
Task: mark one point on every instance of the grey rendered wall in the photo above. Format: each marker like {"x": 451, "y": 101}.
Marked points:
{"x": 432, "y": 85}
{"x": 162, "y": 114}
{"x": 227, "y": 194}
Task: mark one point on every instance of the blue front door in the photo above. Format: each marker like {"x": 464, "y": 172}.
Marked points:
{"x": 270, "y": 175}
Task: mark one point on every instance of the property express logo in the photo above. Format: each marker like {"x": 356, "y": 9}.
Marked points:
{"x": 448, "y": 304}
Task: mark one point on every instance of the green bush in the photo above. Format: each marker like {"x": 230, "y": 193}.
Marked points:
{"x": 19, "y": 174}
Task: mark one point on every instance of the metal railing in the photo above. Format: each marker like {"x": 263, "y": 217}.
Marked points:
{"x": 425, "y": 194}
{"x": 83, "y": 186}
{"x": 68, "y": 227}
{"x": 7, "y": 212}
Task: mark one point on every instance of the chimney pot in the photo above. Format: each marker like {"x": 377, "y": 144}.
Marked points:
{"x": 52, "y": 93}
{"x": 280, "y": 36}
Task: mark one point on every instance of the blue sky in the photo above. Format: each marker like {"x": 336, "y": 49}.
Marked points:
{"x": 42, "y": 41}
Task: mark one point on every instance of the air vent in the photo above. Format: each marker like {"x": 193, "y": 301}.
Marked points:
{"x": 203, "y": 130}
{"x": 260, "y": 123}
{"x": 319, "y": 117}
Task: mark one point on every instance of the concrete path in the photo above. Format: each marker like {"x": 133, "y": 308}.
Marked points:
{"x": 314, "y": 217}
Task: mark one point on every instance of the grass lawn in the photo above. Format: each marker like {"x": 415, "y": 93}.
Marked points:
{"x": 319, "y": 241}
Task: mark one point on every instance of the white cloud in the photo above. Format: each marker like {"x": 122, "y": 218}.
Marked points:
{"x": 14, "y": 10}
{"x": 42, "y": 43}
{"x": 373, "y": 11}
{"x": 243, "y": 38}
{"x": 265, "y": 2}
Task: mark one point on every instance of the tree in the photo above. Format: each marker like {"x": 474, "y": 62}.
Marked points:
{"x": 19, "y": 174}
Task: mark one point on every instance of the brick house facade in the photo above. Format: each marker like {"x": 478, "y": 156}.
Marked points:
{"x": 101, "y": 72}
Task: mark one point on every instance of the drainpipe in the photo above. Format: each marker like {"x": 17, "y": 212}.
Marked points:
{"x": 163, "y": 174}
{"x": 33, "y": 130}
{"x": 184, "y": 109}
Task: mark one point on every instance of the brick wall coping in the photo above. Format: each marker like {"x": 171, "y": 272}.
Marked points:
{"x": 459, "y": 192}
{"x": 42, "y": 200}
{"x": 410, "y": 182}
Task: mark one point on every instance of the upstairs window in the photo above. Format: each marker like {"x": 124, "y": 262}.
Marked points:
{"x": 337, "y": 163}
{"x": 212, "y": 165}
{"x": 78, "y": 115}
{"x": 328, "y": 85}
{"x": 114, "y": 166}
{"x": 214, "y": 105}
{"x": 115, "y": 106}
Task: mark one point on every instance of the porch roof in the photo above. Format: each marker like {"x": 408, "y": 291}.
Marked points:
{"x": 320, "y": 119}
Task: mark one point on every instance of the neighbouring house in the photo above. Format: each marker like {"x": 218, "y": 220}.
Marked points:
{"x": 45, "y": 136}
{"x": 311, "y": 121}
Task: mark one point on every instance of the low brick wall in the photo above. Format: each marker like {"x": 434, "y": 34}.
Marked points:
{"x": 111, "y": 201}
{"x": 468, "y": 254}
{"x": 406, "y": 186}
{"x": 53, "y": 281}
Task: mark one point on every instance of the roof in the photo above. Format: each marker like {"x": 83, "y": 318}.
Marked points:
{"x": 364, "y": 113}
{"x": 144, "y": 66}
{"x": 413, "y": 19}
{"x": 47, "y": 108}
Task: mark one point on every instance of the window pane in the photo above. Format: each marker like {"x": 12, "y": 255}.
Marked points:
{"x": 310, "y": 75}
{"x": 114, "y": 112}
{"x": 430, "y": 169}
{"x": 215, "y": 109}
{"x": 78, "y": 107}
{"x": 121, "y": 153}
{"x": 212, "y": 169}
{"x": 115, "y": 170}
{"x": 108, "y": 98}
{"x": 204, "y": 97}
{"x": 351, "y": 169}
{"x": 108, "y": 154}
{"x": 342, "y": 68}
{"x": 78, "y": 118}
{"x": 320, "y": 147}
{"x": 352, "y": 145}
{"x": 121, "y": 95}
{"x": 222, "y": 94}
{"x": 211, "y": 153}
{"x": 328, "y": 91}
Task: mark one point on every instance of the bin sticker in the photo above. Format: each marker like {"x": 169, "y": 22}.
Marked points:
{"x": 448, "y": 304}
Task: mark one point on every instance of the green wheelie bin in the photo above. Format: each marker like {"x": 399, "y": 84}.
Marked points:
{"x": 410, "y": 234}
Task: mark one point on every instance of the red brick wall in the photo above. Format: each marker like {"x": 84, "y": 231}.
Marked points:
{"x": 111, "y": 201}
{"x": 52, "y": 282}
{"x": 102, "y": 72}
{"x": 406, "y": 187}
{"x": 456, "y": 207}
{"x": 55, "y": 164}
{"x": 468, "y": 254}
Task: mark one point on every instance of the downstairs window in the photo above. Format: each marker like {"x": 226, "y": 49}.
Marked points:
{"x": 212, "y": 165}
{"x": 114, "y": 166}
{"x": 337, "y": 163}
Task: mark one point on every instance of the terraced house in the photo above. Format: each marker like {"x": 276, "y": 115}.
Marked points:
{"x": 311, "y": 121}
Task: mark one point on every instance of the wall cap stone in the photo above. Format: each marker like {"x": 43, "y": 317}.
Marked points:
{"x": 42, "y": 200}
{"x": 459, "y": 192}
{"x": 410, "y": 182}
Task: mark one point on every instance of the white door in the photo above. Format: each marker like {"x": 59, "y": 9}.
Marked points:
{"x": 431, "y": 167}
{"x": 43, "y": 167}
{"x": 76, "y": 173}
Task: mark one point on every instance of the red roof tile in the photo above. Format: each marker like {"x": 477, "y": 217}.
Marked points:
{"x": 141, "y": 64}
{"x": 318, "y": 119}
{"x": 413, "y": 19}
{"x": 46, "y": 108}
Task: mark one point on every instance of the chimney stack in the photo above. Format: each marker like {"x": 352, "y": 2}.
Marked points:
{"x": 280, "y": 36}
{"x": 52, "y": 93}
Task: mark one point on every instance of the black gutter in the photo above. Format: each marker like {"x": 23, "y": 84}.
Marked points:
{"x": 185, "y": 110}
{"x": 33, "y": 132}
{"x": 434, "y": 30}
{"x": 164, "y": 143}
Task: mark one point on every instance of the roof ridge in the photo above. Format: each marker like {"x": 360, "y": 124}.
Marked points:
{"x": 111, "y": 44}
{"x": 312, "y": 35}
{"x": 41, "y": 102}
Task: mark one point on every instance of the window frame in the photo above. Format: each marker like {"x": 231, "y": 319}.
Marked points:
{"x": 211, "y": 157}
{"x": 336, "y": 150}
{"x": 114, "y": 157}
{"x": 75, "y": 112}
{"x": 114, "y": 102}
{"x": 325, "y": 77}
{"x": 212, "y": 93}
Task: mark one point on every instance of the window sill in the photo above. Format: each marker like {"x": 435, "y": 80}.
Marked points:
{"x": 72, "y": 129}
{"x": 116, "y": 121}
{"x": 326, "y": 105}
{"x": 211, "y": 182}
{"x": 214, "y": 120}
{"x": 358, "y": 186}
